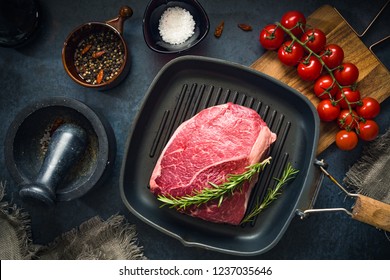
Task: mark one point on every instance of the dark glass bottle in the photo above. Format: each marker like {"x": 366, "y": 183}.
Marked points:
{"x": 18, "y": 21}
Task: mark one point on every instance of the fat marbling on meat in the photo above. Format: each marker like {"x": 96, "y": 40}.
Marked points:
{"x": 218, "y": 141}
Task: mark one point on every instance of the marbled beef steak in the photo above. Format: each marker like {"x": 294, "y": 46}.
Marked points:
{"x": 218, "y": 141}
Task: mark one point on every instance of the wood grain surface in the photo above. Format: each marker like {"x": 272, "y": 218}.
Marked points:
{"x": 373, "y": 80}
{"x": 372, "y": 212}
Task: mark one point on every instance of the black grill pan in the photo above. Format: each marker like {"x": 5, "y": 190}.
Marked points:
{"x": 181, "y": 89}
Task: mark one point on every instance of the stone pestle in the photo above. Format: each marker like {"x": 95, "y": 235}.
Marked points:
{"x": 66, "y": 147}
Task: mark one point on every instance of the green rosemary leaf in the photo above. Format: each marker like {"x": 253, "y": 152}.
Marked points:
{"x": 233, "y": 182}
{"x": 220, "y": 201}
{"x": 272, "y": 193}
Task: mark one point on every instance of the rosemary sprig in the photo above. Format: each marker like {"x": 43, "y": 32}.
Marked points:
{"x": 272, "y": 193}
{"x": 233, "y": 182}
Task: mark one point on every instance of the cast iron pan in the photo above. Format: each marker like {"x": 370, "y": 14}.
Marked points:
{"x": 181, "y": 89}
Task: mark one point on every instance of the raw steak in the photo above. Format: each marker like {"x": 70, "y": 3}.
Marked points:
{"x": 218, "y": 141}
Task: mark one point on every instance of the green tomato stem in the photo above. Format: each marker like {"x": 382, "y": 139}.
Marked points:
{"x": 330, "y": 71}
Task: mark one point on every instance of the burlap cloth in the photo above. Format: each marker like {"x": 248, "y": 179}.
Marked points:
{"x": 370, "y": 175}
{"x": 95, "y": 239}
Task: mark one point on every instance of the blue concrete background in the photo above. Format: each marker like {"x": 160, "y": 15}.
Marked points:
{"x": 36, "y": 71}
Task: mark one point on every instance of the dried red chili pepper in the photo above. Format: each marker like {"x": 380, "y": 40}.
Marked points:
{"x": 56, "y": 124}
{"x": 219, "y": 29}
{"x": 99, "y": 76}
{"x": 245, "y": 27}
{"x": 98, "y": 54}
{"x": 86, "y": 49}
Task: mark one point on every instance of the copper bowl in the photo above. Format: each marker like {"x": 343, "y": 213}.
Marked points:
{"x": 74, "y": 39}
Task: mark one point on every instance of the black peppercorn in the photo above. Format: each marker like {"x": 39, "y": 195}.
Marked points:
{"x": 99, "y": 57}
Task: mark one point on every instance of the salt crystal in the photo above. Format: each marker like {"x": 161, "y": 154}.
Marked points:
{"x": 176, "y": 25}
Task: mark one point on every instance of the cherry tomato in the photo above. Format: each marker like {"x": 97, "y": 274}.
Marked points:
{"x": 315, "y": 39}
{"x": 271, "y": 37}
{"x": 348, "y": 120}
{"x": 346, "y": 140}
{"x": 327, "y": 111}
{"x": 368, "y": 130}
{"x": 325, "y": 87}
{"x": 295, "y": 21}
{"x": 332, "y": 55}
{"x": 369, "y": 109}
{"x": 309, "y": 69}
{"x": 347, "y": 95}
{"x": 290, "y": 54}
{"x": 347, "y": 74}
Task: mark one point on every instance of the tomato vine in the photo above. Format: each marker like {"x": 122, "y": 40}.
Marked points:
{"x": 335, "y": 80}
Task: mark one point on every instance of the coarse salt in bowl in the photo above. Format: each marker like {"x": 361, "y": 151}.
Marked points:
{"x": 176, "y": 25}
{"x": 173, "y": 26}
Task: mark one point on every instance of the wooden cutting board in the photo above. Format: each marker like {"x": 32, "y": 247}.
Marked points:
{"x": 374, "y": 78}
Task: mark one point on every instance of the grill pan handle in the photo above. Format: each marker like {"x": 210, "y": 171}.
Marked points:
{"x": 310, "y": 198}
{"x": 372, "y": 212}
{"x": 366, "y": 209}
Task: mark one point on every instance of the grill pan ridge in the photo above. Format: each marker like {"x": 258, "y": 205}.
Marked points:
{"x": 184, "y": 87}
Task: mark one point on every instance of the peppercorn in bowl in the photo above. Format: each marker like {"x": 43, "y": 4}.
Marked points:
{"x": 95, "y": 54}
{"x": 171, "y": 27}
